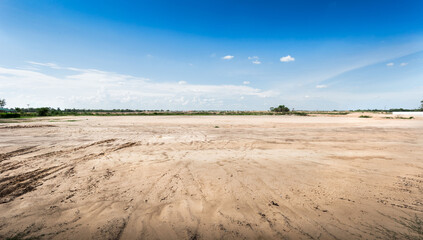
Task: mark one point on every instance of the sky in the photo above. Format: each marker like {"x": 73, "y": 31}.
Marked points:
{"x": 211, "y": 55}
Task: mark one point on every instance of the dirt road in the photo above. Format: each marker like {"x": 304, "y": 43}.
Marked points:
{"x": 211, "y": 177}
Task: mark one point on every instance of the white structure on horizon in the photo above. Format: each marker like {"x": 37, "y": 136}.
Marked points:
{"x": 408, "y": 113}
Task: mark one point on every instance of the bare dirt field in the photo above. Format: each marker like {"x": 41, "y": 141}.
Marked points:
{"x": 212, "y": 177}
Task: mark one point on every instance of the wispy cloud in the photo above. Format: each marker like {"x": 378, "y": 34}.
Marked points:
{"x": 92, "y": 88}
{"x": 287, "y": 59}
{"x": 321, "y": 86}
{"x": 50, "y": 65}
{"x": 330, "y": 75}
{"x": 246, "y": 82}
{"x": 227, "y": 57}
{"x": 403, "y": 64}
{"x": 390, "y": 64}
{"x": 255, "y": 59}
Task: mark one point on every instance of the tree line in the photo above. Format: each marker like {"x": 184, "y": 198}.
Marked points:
{"x": 47, "y": 111}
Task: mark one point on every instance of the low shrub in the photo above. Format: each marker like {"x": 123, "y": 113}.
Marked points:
{"x": 398, "y": 117}
{"x": 43, "y": 111}
{"x": 10, "y": 115}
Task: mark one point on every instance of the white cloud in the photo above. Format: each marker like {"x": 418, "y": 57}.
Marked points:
{"x": 321, "y": 86}
{"x": 227, "y": 57}
{"x": 390, "y": 64}
{"x": 287, "y": 59}
{"x": 403, "y": 64}
{"x": 50, "y": 65}
{"x": 91, "y": 88}
{"x": 255, "y": 59}
{"x": 246, "y": 82}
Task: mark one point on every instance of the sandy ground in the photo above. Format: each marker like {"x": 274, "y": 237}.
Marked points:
{"x": 212, "y": 177}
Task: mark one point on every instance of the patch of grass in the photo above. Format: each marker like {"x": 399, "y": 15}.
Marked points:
{"x": 216, "y": 126}
{"x": 299, "y": 113}
{"x": 59, "y": 120}
{"x": 10, "y": 115}
{"x": 331, "y": 113}
{"x": 365, "y": 116}
{"x": 398, "y": 117}
{"x": 388, "y": 117}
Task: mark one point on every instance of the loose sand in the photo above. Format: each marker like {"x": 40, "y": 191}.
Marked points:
{"x": 189, "y": 177}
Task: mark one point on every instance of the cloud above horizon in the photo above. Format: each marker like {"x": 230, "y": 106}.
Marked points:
{"x": 227, "y": 57}
{"x": 92, "y": 88}
{"x": 255, "y": 59}
{"x": 287, "y": 58}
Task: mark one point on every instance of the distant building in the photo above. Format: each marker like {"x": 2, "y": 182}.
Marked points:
{"x": 408, "y": 113}
{"x": 6, "y": 110}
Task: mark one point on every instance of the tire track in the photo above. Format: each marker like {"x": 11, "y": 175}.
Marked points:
{"x": 15, "y": 186}
{"x": 15, "y": 153}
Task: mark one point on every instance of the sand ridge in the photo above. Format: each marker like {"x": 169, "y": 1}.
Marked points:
{"x": 208, "y": 177}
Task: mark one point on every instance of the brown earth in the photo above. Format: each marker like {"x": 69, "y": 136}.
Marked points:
{"x": 211, "y": 177}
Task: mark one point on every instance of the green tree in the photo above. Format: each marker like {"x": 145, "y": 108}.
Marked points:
{"x": 280, "y": 108}
{"x": 421, "y": 105}
{"x": 43, "y": 111}
{"x": 2, "y": 102}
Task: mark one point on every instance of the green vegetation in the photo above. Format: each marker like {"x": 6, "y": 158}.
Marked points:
{"x": 334, "y": 112}
{"x": 2, "y": 103}
{"x": 280, "y": 108}
{"x": 387, "y": 111}
{"x": 45, "y": 111}
{"x": 10, "y": 115}
{"x": 398, "y": 117}
{"x": 283, "y": 110}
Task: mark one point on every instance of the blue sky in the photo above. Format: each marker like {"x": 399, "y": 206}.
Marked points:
{"x": 200, "y": 55}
